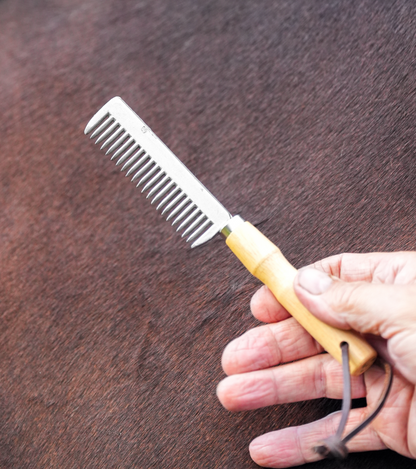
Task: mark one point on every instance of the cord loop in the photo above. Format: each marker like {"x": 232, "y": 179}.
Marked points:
{"x": 335, "y": 446}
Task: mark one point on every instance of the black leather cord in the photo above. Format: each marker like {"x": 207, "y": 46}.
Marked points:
{"x": 335, "y": 446}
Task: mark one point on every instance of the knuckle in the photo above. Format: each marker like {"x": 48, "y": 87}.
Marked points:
{"x": 346, "y": 296}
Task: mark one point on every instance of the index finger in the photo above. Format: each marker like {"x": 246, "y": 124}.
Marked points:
{"x": 352, "y": 267}
{"x": 266, "y": 308}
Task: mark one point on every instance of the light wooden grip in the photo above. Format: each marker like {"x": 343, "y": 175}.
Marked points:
{"x": 265, "y": 261}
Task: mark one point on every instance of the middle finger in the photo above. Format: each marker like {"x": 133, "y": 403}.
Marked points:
{"x": 268, "y": 345}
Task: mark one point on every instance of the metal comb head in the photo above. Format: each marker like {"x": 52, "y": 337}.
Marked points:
{"x": 180, "y": 195}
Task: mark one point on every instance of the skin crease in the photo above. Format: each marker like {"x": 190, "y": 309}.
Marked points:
{"x": 374, "y": 294}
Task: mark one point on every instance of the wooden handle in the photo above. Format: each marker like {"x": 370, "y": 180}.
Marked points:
{"x": 265, "y": 261}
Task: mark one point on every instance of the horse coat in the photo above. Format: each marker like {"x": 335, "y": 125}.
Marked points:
{"x": 297, "y": 115}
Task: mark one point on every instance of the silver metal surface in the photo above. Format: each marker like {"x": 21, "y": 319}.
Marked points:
{"x": 144, "y": 156}
{"x": 231, "y": 226}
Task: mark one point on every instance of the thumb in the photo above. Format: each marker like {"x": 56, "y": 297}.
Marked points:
{"x": 366, "y": 307}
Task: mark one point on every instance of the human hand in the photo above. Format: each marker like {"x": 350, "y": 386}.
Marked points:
{"x": 374, "y": 294}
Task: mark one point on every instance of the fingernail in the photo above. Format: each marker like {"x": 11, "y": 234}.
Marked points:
{"x": 314, "y": 281}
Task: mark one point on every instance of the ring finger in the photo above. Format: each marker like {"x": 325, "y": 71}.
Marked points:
{"x": 311, "y": 378}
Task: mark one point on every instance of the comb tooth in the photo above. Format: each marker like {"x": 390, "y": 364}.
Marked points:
{"x": 190, "y": 207}
{"x": 188, "y": 219}
{"x": 193, "y": 225}
{"x": 99, "y": 129}
{"x": 145, "y": 158}
{"x": 122, "y": 148}
{"x": 154, "y": 179}
{"x": 117, "y": 143}
{"x": 107, "y": 132}
{"x": 127, "y": 154}
{"x": 178, "y": 208}
{"x": 94, "y": 124}
{"x": 172, "y": 203}
{"x": 168, "y": 197}
{"x": 112, "y": 137}
{"x": 143, "y": 169}
{"x": 139, "y": 154}
{"x": 155, "y": 169}
{"x": 166, "y": 189}
{"x": 205, "y": 236}
{"x": 158, "y": 186}
{"x": 199, "y": 230}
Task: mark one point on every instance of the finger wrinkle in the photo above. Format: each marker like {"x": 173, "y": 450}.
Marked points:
{"x": 368, "y": 439}
{"x": 329, "y": 265}
{"x": 252, "y": 351}
{"x": 299, "y": 446}
{"x": 334, "y": 380}
{"x": 265, "y": 307}
{"x": 277, "y": 348}
{"x": 292, "y": 341}
{"x": 350, "y": 267}
{"x": 279, "y": 449}
{"x": 237, "y": 393}
{"x": 316, "y": 345}
{"x": 320, "y": 381}
{"x": 262, "y": 451}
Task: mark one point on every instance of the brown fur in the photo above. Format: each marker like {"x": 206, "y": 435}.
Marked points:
{"x": 299, "y": 115}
